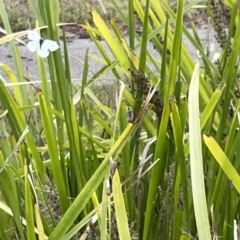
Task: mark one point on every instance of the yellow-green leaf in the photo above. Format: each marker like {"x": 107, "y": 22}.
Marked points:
{"x": 120, "y": 209}
{"x": 223, "y": 161}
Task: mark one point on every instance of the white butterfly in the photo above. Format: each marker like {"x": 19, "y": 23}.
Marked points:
{"x": 41, "y": 45}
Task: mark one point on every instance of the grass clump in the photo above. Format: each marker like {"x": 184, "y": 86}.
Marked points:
{"x": 154, "y": 156}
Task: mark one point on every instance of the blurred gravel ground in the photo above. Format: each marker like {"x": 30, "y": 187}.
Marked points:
{"x": 77, "y": 49}
{"x": 19, "y": 13}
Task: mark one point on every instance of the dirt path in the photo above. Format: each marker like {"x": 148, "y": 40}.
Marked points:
{"x": 77, "y": 49}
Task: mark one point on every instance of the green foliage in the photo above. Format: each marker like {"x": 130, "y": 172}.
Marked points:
{"x": 159, "y": 163}
{"x": 75, "y": 11}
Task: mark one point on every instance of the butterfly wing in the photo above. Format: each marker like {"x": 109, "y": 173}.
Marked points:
{"x": 43, "y": 51}
{"x": 33, "y": 35}
{"x": 33, "y": 46}
{"x": 51, "y": 45}
{"x": 46, "y": 47}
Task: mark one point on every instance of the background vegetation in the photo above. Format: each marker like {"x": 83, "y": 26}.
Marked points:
{"x": 76, "y": 11}
{"x": 159, "y": 160}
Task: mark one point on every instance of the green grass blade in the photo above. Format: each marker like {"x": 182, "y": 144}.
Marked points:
{"x": 196, "y": 162}
{"x": 9, "y": 190}
{"x": 36, "y": 12}
{"x": 223, "y": 161}
{"x": 29, "y": 207}
{"x": 144, "y": 40}
{"x": 3, "y": 227}
{"x": 178, "y": 137}
{"x": 111, "y": 41}
{"x": 120, "y": 210}
{"x": 104, "y": 212}
{"x": 54, "y": 155}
